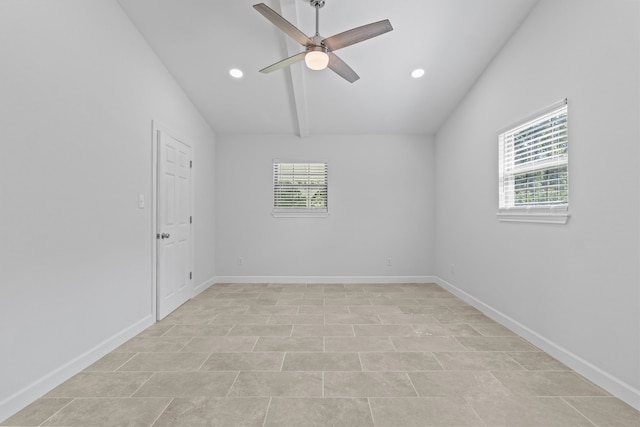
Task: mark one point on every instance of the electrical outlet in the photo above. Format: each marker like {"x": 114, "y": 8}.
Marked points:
{"x": 240, "y": 261}
{"x": 389, "y": 263}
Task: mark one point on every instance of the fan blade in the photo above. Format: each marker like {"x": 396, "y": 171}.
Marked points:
{"x": 283, "y": 24}
{"x": 357, "y": 35}
{"x": 285, "y": 62}
{"x": 341, "y": 68}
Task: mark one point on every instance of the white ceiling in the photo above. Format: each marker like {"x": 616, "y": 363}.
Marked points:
{"x": 452, "y": 40}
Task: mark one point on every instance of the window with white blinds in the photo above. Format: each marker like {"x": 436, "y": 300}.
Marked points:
{"x": 300, "y": 188}
{"x": 533, "y": 176}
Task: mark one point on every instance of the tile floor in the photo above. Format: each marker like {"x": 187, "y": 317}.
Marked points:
{"x": 327, "y": 355}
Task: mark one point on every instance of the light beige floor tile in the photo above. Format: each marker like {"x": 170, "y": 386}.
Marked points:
{"x": 384, "y": 330}
{"x": 322, "y": 331}
{"x": 110, "y": 362}
{"x": 452, "y": 330}
{"x": 407, "y": 319}
{"x": 472, "y": 319}
{"x": 457, "y": 352}
{"x": 289, "y": 384}
{"x": 457, "y": 383}
{"x": 464, "y": 309}
{"x": 496, "y": 344}
{"x": 156, "y": 330}
{"x": 198, "y": 330}
{"x": 423, "y": 411}
{"x": 251, "y": 295}
{"x": 527, "y": 412}
{"x": 132, "y": 412}
{"x": 493, "y": 330}
{"x": 101, "y": 384}
{"x": 367, "y": 384}
{"x": 606, "y": 411}
{"x": 319, "y": 413}
{"x": 384, "y": 300}
{"x": 444, "y": 301}
{"x": 537, "y": 361}
{"x": 151, "y": 344}
{"x": 347, "y": 301}
{"x": 321, "y": 362}
{"x": 187, "y": 384}
{"x": 357, "y": 344}
{"x": 547, "y": 383}
{"x": 220, "y": 344}
{"x": 477, "y": 361}
{"x": 269, "y": 361}
{"x": 399, "y": 361}
{"x": 301, "y": 301}
{"x": 374, "y": 309}
{"x": 289, "y": 344}
{"x": 272, "y": 309}
{"x": 351, "y": 319}
{"x": 300, "y": 319}
{"x": 37, "y": 412}
{"x": 321, "y": 309}
{"x": 426, "y": 344}
{"x": 240, "y": 319}
{"x": 214, "y": 412}
{"x": 261, "y": 330}
{"x": 423, "y": 309}
{"x": 165, "y": 362}
{"x": 267, "y": 302}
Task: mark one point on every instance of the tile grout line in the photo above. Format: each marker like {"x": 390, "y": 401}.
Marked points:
{"x": 163, "y": 411}
{"x": 266, "y": 413}
{"x": 44, "y": 423}
{"x": 232, "y": 384}
{"x": 577, "y": 410}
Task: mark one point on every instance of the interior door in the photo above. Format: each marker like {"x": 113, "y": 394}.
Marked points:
{"x": 174, "y": 281}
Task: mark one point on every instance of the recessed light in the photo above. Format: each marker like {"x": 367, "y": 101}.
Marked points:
{"x": 417, "y": 73}
{"x": 236, "y": 73}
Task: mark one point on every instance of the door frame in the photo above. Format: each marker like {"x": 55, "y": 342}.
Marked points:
{"x": 156, "y": 127}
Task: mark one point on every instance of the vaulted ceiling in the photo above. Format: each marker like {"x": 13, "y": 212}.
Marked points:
{"x": 199, "y": 41}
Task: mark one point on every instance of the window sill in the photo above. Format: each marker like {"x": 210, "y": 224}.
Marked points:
{"x": 543, "y": 215}
{"x": 300, "y": 214}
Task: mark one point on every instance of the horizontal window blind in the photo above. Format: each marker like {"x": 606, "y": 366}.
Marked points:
{"x": 533, "y": 161}
{"x": 300, "y": 187}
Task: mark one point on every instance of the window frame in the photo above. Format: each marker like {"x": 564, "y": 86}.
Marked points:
{"x": 552, "y": 213}
{"x": 297, "y": 212}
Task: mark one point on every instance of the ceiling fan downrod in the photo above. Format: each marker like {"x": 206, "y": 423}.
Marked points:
{"x": 317, "y": 4}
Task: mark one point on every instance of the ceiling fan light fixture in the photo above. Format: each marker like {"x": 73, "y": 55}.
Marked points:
{"x": 316, "y": 59}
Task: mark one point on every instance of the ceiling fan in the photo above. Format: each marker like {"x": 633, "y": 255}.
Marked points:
{"x": 318, "y": 53}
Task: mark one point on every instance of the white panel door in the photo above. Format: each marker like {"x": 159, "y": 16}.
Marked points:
{"x": 174, "y": 284}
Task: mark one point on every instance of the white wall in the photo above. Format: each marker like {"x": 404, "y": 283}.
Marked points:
{"x": 381, "y": 191}
{"x": 573, "y": 289}
{"x": 79, "y": 90}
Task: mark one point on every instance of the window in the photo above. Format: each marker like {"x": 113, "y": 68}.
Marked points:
{"x": 533, "y": 176}
{"x": 300, "y": 189}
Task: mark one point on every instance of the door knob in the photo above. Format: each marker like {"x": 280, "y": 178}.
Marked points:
{"x": 165, "y": 235}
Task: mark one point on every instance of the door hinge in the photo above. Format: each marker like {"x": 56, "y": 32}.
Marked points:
{"x": 190, "y": 220}
{"x": 190, "y": 275}
{"x": 191, "y": 163}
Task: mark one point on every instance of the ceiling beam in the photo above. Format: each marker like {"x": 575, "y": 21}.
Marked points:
{"x": 289, "y": 11}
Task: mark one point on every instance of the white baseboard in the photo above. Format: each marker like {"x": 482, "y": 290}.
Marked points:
{"x": 38, "y": 388}
{"x": 204, "y": 286}
{"x": 613, "y": 385}
{"x": 325, "y": 279}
